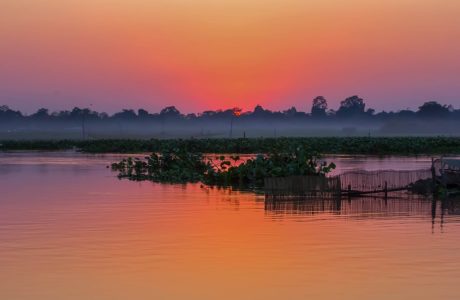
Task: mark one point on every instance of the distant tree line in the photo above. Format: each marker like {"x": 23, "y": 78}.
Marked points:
{"x": 351, "y": 108}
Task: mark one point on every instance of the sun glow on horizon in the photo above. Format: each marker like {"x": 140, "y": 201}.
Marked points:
{"x": 205, "y": 54}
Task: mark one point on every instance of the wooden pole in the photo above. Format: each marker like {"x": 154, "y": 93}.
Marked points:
{"x": 433, "y": 174}
{"x": 386, "y": 190}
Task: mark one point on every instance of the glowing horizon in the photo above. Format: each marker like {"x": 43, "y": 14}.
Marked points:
{"x": 200, "y": 55}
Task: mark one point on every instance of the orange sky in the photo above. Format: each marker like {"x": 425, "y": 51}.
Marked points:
{"x": 205, "y": 54}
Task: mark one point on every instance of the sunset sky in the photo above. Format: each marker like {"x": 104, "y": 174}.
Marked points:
{"x": 210, "y": 54}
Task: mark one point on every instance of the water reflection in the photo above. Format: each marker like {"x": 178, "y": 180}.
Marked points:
{"x": 369, "y": 207}
{"x": 76, "y": 232}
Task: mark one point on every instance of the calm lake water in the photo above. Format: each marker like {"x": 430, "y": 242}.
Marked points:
{"x": 69, "y": 229}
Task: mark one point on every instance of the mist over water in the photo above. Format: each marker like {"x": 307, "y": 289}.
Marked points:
{"x": 224, "y": 129}
{"x": 350, "y": 119}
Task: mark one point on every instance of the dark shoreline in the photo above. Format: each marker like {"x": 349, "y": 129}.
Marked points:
{"x": 330, "y": 145}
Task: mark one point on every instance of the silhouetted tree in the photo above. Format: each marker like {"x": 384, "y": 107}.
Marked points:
{"x": 207, "y": 114}
{"x": 352, "y": 106}
{"x": 258, "y": 109}
{"x": 291, "y": 112}
{"x": 319, "y": 107}
{"x": 191, "y": 116}
{"x": 170, "y": 112}
{"x": 7, "y": 114}
{"x": 142, "y": 113}
{"x": 63, "y": 114}
{"x": 260, "y": 113}
{"x": 41, "y": 114}
{"x": 125, "y": 114}
{"x": 433, "y": 109}
{"x": 76, "y": 113}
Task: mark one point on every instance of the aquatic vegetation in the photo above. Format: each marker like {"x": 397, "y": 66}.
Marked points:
{"x": 44, "y": 145}
{"x": 176, "y": 165}
{"x": 329, "y": 145}
{"x": 277, "y": 164}
{"x": 179, "y": 165}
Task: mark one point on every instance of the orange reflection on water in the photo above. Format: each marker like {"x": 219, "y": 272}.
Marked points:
{"x": 78, "y": 233}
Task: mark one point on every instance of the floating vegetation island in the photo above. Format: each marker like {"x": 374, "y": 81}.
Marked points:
{"x": 179, "y": 165}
